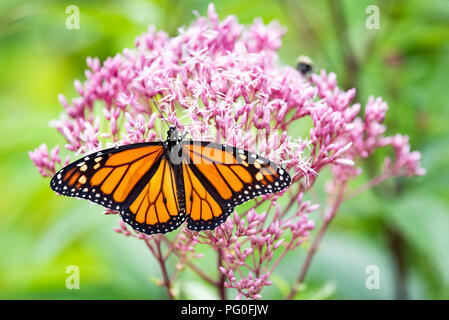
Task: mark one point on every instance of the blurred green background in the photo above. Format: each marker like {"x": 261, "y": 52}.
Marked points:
{"x": 401, "y": 226}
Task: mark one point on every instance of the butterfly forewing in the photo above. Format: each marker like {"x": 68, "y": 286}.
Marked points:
{"x": 111, "y": 177}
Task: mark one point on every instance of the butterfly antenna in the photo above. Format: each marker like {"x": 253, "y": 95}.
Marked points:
{"x": 162, "y": 115}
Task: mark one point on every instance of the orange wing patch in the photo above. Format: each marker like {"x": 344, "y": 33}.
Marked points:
{"x": 133, "y": 175}
{"x": 233, "y": 179}
{"x": 211, "y": 154}
{"x": 113, "y": 179}
{"x": 99, "y": 176}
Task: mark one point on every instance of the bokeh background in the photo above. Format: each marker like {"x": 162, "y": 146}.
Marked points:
{"x": 402, "y": 226}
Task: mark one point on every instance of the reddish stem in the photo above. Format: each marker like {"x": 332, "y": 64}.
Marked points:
{"x": 221, "y": 282}
{"x": 160, "y": 259}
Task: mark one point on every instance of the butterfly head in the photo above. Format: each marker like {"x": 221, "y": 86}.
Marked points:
{"x": 172, "y": 134}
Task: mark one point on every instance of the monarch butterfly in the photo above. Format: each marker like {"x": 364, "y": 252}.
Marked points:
{"x": 156, "y": 186}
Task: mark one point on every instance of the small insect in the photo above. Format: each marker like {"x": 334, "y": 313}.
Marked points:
{"x": 304, "y": 65}
{"x": 156, "y": 186}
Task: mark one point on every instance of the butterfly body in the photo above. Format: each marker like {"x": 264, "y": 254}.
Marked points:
{"x": 156, "y": 186}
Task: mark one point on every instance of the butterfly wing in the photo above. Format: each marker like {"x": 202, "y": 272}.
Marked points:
{"x": 217, "y": 178}
{"x": 111, "y": 177}
{"x": 157, "y": 208}
{"x": 137, "y": 180}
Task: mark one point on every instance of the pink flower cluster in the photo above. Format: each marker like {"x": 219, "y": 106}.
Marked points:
{"x": 345, "y": 137}
{"x": 221, "y": 81}
{"x": 46, "y": 162}
{"x": 263, "y": 236}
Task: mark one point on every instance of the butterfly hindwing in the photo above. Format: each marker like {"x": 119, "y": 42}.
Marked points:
{"x": 219, "y": 177}
{"x": 204, "y": 207}
{"x": 157, "y": 208}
